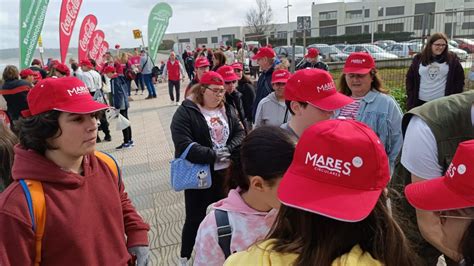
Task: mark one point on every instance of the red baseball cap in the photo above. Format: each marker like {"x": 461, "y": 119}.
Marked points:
{"x": 86, "y": 63}
{"x": 339, "y": 170}
{"x": 201, "y": 61}
{"x": 312, "y": 53}
{"x": 68, "y": 94}
{"x": 37, "y": 75}
{"x": 280, "y": 76}
{"x": 227, "y": 72}
{"x": 109, "y": 69}
{"x": 315, "y": 86}
{"x": 237, "y": 65}
{"x": 211, "y": 78}
{"x": 26, "y": 72}
{"x": 359, "y": 63}
{"x": 63, "y": 69}
{"x": 264, "y": 52}
{"x": 454, "y": 190}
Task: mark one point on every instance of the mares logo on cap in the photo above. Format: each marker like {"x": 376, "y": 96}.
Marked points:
{"x": 78, "y": 91}
{"x": 326, "y": 87}
{"x": 460, "y": 169}
{"x": 358, "y": 61}
{"x": 329, "y": 165}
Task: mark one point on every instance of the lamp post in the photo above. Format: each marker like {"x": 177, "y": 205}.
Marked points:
{"x": 288, "y": 42}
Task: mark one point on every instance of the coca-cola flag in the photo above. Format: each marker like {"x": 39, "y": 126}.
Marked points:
{"x": 94, "y": 44}
{"x": 85, "y": 35}
{"x": 104, "y": 47}
{"x": 67, "y": 20}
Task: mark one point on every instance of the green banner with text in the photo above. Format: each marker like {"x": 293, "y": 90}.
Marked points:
{"x": 157, "y": 23}
{"x": 32, "y": 14}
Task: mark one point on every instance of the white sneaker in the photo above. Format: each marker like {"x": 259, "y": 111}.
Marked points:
{"x": 177, "y": 103}
{"x": 183, "y": 262}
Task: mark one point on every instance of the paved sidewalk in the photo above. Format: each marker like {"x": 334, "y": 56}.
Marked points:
{"x": 146, "y": 172}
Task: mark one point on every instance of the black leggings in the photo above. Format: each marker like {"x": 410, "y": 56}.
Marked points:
{"x": 127, "y": 133}
{"x": 175, "y": 84}
{"x": 196, "y": 202}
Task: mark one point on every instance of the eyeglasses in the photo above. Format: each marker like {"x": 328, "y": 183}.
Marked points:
{"x": 216, "y": 91}
{"x": 456, "y": 217}
{"x": 439, "y": 44}
{"x": 230, "y": 82}
{"x": 237, "y": 70}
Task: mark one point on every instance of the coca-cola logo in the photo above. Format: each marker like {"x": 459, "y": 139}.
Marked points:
{"x": 89, "y": 28}
{"x": 72, "y": 9}
{"x": 96, "y": 44}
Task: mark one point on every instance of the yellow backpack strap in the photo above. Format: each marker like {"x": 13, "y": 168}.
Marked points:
{"x": 111, "y": 163}
{"x": 37, "y": 208}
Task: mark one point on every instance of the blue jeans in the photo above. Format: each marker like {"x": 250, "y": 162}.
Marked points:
{"x": 149, "y": 85}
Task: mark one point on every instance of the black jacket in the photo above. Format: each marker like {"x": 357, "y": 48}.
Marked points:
{"x": 318, "y": 64}
{"x": 248, "y": 97}
{"x": 189, "y": 125}
{"x": 264, "y": 87}
{"x": 235, "y": 100}
{"x": 454, "y": 80}
{"x": 16, "y": 102}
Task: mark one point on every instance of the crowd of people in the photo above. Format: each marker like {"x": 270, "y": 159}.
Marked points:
{"x": 304, "y": 170}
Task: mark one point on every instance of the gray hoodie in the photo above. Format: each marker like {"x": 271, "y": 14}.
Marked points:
{"x": 271, "y": 112}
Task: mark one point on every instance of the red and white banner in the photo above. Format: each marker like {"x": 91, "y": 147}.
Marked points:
{"x": 104, "y": 47}
{"x": 96, "y": 41}
{"x": 67, "y": 20}
{"x": 85, "y": 35}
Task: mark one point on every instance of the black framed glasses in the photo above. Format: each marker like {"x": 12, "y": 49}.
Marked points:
{"x": 230, "y": 82}
{"x": 216, "y": 90}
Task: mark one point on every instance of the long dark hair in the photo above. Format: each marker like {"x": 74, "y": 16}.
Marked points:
{"x": 319, "y": 240}
{"x": 467, "y": 245}
{"x": 267, "y": 152}
{"x": 221, "y": 58}
{"x": 427, "y": 53}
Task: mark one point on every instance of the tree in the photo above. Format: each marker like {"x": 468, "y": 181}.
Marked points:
{"x": 259, "y": 19}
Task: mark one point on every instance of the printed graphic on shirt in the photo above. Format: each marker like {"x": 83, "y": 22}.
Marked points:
{"x": 219, "y": 131}
{"x": 433, "y": 71}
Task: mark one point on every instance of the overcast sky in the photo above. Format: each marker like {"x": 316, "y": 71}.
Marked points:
{"x": 117, "y": 18}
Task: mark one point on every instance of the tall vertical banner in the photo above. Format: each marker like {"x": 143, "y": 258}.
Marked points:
{"x": 104, "y": 47}
{"x": 67, "y": 20}
{"x": 157, "y": 23}
{"x": 32, "y": 14}
{"x": 94, "y": 45}
{"x": 85, "y": 35}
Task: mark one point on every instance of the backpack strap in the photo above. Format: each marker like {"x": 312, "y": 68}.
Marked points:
{"x": 34, "y": 195}
{"x": 224, "y": 231}
{"x": 111, "y": 163}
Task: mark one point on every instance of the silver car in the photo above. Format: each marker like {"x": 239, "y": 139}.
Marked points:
{"x": 330, "y": 53}
{"x": 376, "y": 52}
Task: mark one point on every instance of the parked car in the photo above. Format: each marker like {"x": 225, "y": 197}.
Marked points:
{"x": 340, "y": 46}
{"x": 453, "y": 43}
{"x": 329, "y": 53}
{"x": 404, "y": 49}
{"x": 287, "y": 52}
{"x": 384, "y": 43}
{"x": 376, "y": 52}
{"x": 463, "y": 55}
{"x": 465, "y": 44}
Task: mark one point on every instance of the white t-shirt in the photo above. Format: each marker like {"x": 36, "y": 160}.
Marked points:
{"x": 88, "y": 79}
{"x": 432, "y": 81}
{"x": 420, "y": 152}
{"x": 219, "y": 131}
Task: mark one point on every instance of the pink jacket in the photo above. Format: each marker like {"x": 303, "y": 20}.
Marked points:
{"x": 248, "y": 226}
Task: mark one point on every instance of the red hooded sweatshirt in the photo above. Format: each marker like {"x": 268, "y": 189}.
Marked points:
{"x": 89, "y": 219}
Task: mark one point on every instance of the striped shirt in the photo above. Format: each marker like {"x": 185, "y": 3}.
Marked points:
{"x": 350, "y": 111}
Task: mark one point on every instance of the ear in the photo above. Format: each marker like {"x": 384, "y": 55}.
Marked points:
{"x": 257, "y": 183}
{"x": 295, "y": 107}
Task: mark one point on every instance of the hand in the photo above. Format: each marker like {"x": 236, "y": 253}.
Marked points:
{"x": 142, "y": 253}
{"x": 222, "y": 155}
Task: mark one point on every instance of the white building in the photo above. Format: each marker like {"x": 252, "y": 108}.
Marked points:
{"x": 339, "y": 18}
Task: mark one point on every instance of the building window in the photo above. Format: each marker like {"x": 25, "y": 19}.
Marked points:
{"x": 367, "y": 13}
{"x": 380, "y": 11}
{"x": 281, "y": 34}
{"x": 395, "y": 11}
{"x": 467, "y": 25}
{"x": 214, "y": 40}
{"x": 201, "y": 41}
{"x": 468, "y": 1}
{"x": 184, "y": 40}
{"x": 366, "y": 28}
{"x": 394, "y": 27}
{"x": 380, "y": 28}
{"x": 328, "y": 15}
{"x": 326, "y": 28}
{"x": 422, "y": 9}
{"x": 469, "y": 13}
{"x": 351, "y": 30}
{"x": 353, "y": 14}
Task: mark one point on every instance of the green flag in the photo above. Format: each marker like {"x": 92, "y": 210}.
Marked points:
{"x": 157, "y": 24}
{"x": 32, "y": 14}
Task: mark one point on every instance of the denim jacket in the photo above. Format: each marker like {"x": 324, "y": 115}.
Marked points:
{"x": 382, "y": 113}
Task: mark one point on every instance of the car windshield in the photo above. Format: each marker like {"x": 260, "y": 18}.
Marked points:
{"x": 373, "y": 49}
{"x": 298, "y": 50}
{"x": 468, "y": 41}
{"x": 328, "y": 49}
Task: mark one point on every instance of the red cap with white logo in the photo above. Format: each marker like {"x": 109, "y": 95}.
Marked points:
{"x": 280, "y": 76}
{"x": 228, "y": 73}
{"x": 201, "y": 62}
{"x": 454, "y": 190}
{"x": 211, "y": 78}
{"x": 339, "y": 170}
{"x": 359, "y": 63}
{"x": 68, "y": 94}
{"x": 315, "y": 86}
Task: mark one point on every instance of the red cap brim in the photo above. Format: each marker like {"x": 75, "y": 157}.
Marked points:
{"x": 336, "y": 202}
{"x": 283, "y": 80}
{"x": 435, "y": 195}
{"x": 83, "y": 108}
{"x": 332, "y": 102}
{"x": 356, "y": 70}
